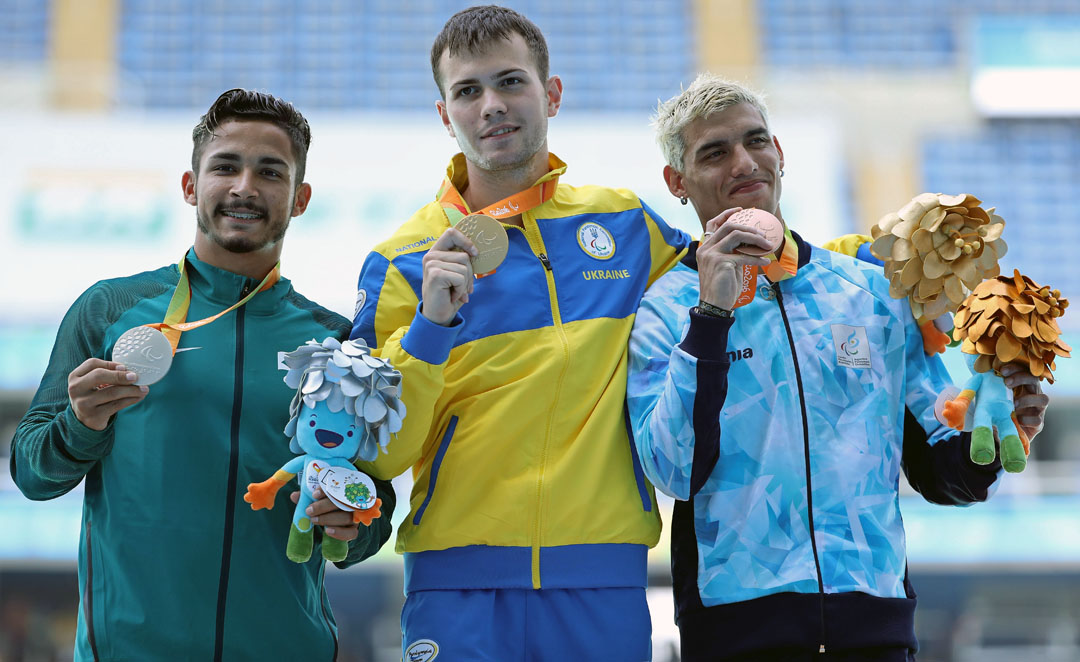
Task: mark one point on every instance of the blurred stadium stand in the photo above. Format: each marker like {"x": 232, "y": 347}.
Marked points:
{"x": 373, "y": 55}
{"x": 893, "y": 79}
{"x": 880, "y": 34}
{"x": 1031, "y": 171}
{"x": 23, "y": 30}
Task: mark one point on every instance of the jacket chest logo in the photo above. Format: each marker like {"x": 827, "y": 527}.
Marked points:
{"x": 852, "y": 347}
{"x": 739, "y": 354}
{"x": 595, "y": 240}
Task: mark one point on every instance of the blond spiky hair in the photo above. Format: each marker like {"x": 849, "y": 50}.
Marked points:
{"x": 708, "y": 94}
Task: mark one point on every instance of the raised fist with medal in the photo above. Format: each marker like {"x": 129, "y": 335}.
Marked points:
{"x": 472, "y": 247}
{"x": 489, "y": 238}
{"x": 736, "y": 243}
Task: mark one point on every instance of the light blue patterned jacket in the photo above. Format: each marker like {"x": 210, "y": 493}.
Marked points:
{"x": 785, "y": 430}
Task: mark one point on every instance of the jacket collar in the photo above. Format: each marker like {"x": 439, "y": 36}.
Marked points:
{"x": 457, "y": 173}
{"x": 226, "y": 288}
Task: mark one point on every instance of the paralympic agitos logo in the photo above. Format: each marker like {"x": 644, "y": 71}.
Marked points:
{"x": 851, "y": 345}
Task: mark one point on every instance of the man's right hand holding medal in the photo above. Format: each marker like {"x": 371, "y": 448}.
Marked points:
{"x": 98, "y": 389}
{"x": 448, "y": 276}
{"x": 720, "y": 266}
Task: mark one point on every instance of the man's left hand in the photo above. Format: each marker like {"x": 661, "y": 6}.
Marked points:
{"x": 336, "y": 523}
{"x": 1029, "y": 402}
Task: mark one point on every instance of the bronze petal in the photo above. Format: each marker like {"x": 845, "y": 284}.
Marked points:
{"x": 887, "y": 222}
{"x": 1007, "y": 348}
{"x": 923, "y": 241}
{"x": 964, "y": 267}
{"x": 903, "y": 250}
{"x": 954, "y": 290}
{"x": 978, "y": 329}
{"x": 933, "y": 267}
{"x": 883, "y": 246}
{"x": 979, "y": 214}
{"x": 991, "y": 232}
{"x": 1046, "y": 331}
{"x": 952, "y": 200}
{"x": 949, "y": 250}
{"x": 912, "y": 272}
{"x": 1020, "y": 327}
{"x": 932, "y": 219}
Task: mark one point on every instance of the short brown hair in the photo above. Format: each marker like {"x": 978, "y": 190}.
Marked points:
{"x": 471, "y": 30}
{"x": 251, "y": 106}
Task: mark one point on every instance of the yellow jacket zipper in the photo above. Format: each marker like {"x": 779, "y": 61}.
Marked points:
{"x": 536, "y": 243}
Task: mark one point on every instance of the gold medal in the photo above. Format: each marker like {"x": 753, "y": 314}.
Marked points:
{"x": 489, "y": 237}
{"x": 764, "y": 222}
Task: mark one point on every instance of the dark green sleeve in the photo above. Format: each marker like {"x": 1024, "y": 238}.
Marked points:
{"x": 52, "y": 450}
{"x": 373, "y": 537}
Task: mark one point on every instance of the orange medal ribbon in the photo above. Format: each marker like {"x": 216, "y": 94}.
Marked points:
{"x": 455, "y": 208}
{"x": 775, "y": 270}
{"x": 176, "y": 314}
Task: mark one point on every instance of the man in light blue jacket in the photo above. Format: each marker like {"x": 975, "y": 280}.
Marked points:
{"x": 782, "y": 428}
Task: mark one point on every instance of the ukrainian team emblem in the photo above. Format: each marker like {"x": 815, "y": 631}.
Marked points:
{"x": 361, "y": 299}
{"x": 595, "y": 240}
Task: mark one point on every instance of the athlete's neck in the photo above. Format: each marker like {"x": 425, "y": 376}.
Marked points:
{"x": 255, "y": 264}
{"x": 489, "y": 186}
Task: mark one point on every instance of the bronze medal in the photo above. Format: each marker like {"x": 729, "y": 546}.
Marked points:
{"x": 489, "y": 237}
{"x": 766, "y": 223}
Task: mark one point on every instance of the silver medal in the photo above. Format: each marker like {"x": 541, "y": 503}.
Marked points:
{"x": 144, "y": 351}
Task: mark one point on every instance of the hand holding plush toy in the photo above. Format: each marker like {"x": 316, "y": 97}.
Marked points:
{"x": 346, "y": 406}
{"x": 1004, "y": 320}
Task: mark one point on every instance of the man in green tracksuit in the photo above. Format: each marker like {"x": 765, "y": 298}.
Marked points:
{"x": 172, "y": 563}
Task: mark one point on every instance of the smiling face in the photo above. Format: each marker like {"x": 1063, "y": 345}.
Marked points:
{"x": 497, "y": 106}
{"x": 731, "y": 160}
{"x": 244, "y": 193}
{"x": 323, "y": 433}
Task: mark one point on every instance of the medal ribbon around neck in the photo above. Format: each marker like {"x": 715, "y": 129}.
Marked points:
{"x": 148, "y": 350}
{"x": 490, "y": 238}
{"x": 176, "y": 314}
{"x": 776, "y": 270}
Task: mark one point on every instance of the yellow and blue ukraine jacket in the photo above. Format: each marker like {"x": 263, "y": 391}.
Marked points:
{"x": 524, "y": 474}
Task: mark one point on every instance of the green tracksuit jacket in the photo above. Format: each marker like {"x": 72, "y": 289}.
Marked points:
{"x": 173, "y": 564}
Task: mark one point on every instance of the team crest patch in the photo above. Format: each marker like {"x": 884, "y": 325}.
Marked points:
{"x": 422, "y": 650}
{"x": 595, "y": 240}
{"x": 852, "y": 348}
{"x": 361, "y": 299}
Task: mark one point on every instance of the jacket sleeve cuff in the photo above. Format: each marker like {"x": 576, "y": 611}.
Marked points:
{"x": 431, "y": 342}
{"x": 707, "y": 337}
{"x": 82, "y": 443}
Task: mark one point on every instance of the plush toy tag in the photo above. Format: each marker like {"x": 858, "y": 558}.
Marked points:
{"x": 350, "y": 490}
{"x": 312, "y": 472}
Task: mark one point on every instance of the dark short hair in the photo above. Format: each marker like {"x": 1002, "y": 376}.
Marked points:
{"x": 472, "y": 30}
{"x": 251, "y": 106}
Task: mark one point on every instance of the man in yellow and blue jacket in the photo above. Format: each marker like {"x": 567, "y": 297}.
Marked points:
{"x": 530, "y": 517}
